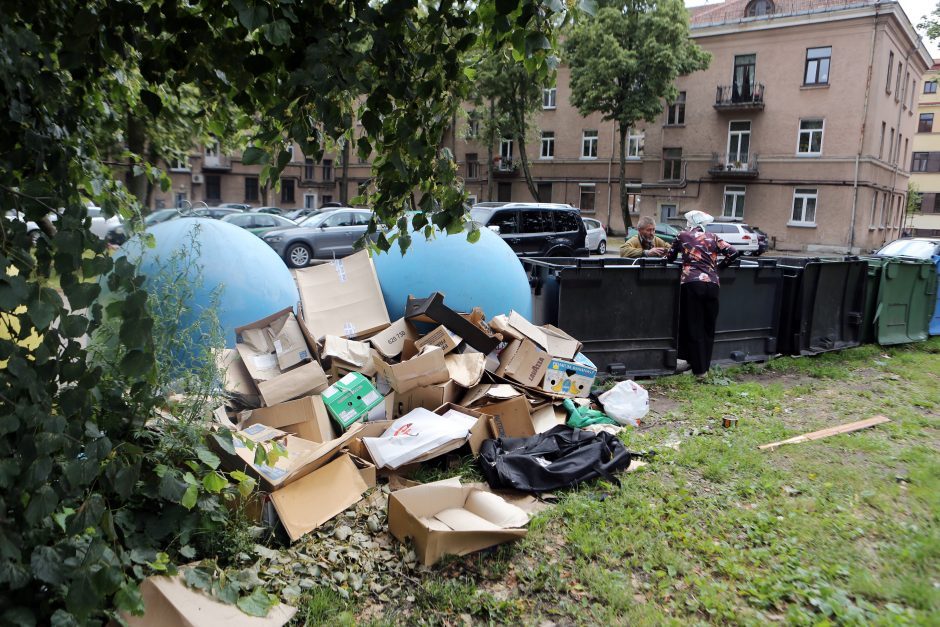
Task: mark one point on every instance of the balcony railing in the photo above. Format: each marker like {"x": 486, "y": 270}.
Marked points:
{"x": 216, "y": 162}
{"x": 739, "y": 97}
{"x": 505, "y": 167}
{"x": 732, "y": 167}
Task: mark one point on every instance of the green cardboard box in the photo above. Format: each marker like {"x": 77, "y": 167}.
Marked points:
{"x": 350, "y": 399}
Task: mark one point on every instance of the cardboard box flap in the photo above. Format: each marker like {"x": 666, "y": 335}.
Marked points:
{"x": 442, "y": 337}
{"x": 426, "y": 368}
{"x": 237, "y": 380}
{"x": 169, "y": 601}
{"x": 466, "y": 369}
{"x": 390, "y": 341}
{"x": 546, "y": 417}
{"x": 305, "y": 417}
{"x": 354, "y": 353}
{"x": 301, "y": 381}
{"x": 342, "y": 297}
{"x": 314, "y": 499}
{"x": 501, "y": 325}
{"x": 289, "y": 342}
{"x": 510, "y": 418}
{"x": 432, "y": 309}
{"x": 553, "y": 340}
{"x": 254, "y": 342}
{"x": 495, "y": 509}
{"x": 524, "y": 362}
{"x": 459, "y": 519}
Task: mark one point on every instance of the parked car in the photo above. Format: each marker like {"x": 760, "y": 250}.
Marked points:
{"x": 916, "y": 247}
{"x": 763, "y": 241}
{"x": 663, "y": 231}
{"x": 162, "y": 215}
{"x": 236, "y": 205}
{"x": 738, "y": 235}
{"x": 299, "y": 214}
{"x": 216, "y": 213}
{"x": 275, "y": 210}
{"x": 536, "y": 229}
{"x": 259, "y": 223}
{"x": 325, "y": 235}
{"x": 100, "y": 225}
{"x": 596, "y": 237}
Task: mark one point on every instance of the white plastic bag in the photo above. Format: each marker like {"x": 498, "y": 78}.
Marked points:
{"x": 416, "y": 433}
{"x": 627, "y": 402}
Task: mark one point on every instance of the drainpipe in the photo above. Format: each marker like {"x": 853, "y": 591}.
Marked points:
{"x": 610, "y": 165}
{"x": 861, "y": 135}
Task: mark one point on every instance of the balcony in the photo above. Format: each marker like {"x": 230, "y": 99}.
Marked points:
{"x": 216, "y": 162}
{"x": 723, "y": 167}
{"x": 505, "y": 168}
{"x": 747, "y": 97}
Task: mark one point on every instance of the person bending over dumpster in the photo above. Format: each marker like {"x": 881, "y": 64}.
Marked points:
{"x": 698, "y": 292}
{"x": 644, "y": 243}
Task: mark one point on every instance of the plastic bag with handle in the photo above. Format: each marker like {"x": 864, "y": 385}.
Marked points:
{"x": 627, "y": 402}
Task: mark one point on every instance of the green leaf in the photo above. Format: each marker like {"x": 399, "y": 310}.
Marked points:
{"x": 214, "y": 482}
{"x": 254, "y": 156}
{"x": 224, "y": 440}
{"x": 207, "y": 457}
{"x": 473, "y": 236}
{"x": 505, "y": 7}
{"x": 246, "y": 487}
{"x": 137, "y": 363}
{"x": 197, "y": 578}
{"x": 188, "y": 552}
{"x": 47, "y": 565}
{"x": 128, "y": 599}
{"x": 258, "y": 603}
{"x": 41, "y": 505}
{"x": 277, "y": 32}
{"x": 251, "y": 17}
{"x": 74, "y": 326}
{"x": 189, "y": 498}
{"x": 41, "y": 313}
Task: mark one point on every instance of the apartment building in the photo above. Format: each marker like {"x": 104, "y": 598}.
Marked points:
{"x": 925, "y": 160}
{"x": 801, "y": 125}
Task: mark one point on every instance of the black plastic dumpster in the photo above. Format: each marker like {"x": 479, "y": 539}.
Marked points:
{"x": 625, "y": 311}
{"x": 900, "y": 297}
{"x": 823, "y": 304}
{"x": 748, "y": 320}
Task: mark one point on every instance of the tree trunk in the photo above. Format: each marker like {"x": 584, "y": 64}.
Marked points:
{"x": 489, "y": 153}
{"x": 344, "y": 178}
{"x": 519, "y": 115}
{"x": 137, "y": 144}
{"x": 624, "y": 207}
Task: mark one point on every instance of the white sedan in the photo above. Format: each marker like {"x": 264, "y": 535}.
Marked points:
{"x": 596, "y": 239}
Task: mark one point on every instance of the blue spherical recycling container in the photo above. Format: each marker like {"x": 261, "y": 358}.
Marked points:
{"x": 485, "y": 274}
{"x": 210, "y": 261}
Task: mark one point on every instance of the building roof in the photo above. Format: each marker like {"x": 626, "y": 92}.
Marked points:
{"x": 734, "y": 10}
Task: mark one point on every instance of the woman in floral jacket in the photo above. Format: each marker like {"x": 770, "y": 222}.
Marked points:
{"x": 698, "y": 295}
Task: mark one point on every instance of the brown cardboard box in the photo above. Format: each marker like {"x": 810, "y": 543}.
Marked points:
{"x": 390, "y": 341}
{"x": 524, "y": 362}
{"x": 487, "y": 394}
{"x": 447, "y": 518}
{"x": 301, "y": 381}
{"x": 427, "y": 396}
{"x": 342, "y": 297}
{"x": 305, "y": 417}
{"x": 466, "y": 369}
{"x": 237, "y": 381}
{"x": 440, "y": 337}
{"x": 426, "y": 368}
{"x": 553, "y": 340}
{"x": 510, "y": 418}
{"x": 347, "y": 356}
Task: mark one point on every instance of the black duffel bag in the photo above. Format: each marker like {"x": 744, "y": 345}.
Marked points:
{"x": 558, "y": 458}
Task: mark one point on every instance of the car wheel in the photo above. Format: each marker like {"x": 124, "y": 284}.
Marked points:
{"x": 298, "y": 255}
{"x": 602, "y": 247}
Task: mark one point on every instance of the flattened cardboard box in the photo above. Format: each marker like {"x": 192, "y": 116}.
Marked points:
{"x": 342, "y": 297}
{"x": 302, "y": 381}
{"x": 447, "y": 518}
{"x": 390, "y": 341}
{"x": 426, "y": 368}
{"x": 237, "y": 380}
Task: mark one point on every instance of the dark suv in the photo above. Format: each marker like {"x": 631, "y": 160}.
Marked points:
{"x": 536, "y": 229}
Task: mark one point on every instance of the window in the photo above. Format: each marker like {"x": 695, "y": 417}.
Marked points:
{"x": 925, "y": 125}
{"x": 635, "y": 141}
{"x": 180, "y": 165}
{"x": 327, "y": 169}
{"x": 473, "y": 166}
{"x": 667, "y": 212}
{"x": 310, "y": 201}
{"x": 811, "y": 135}
{"x": 897, "y": 84}
{"x": 734, "y": 202}
{"x": 287, "y": 191}
{"x": 589, "y": 145}
{"x": 744, "y": 77}
{"x": 506, "y": 221}
{"x": 907, "y": 77}
{"x": 505, "y": 154}
{"x": 537, "y": 221}
{"x": 212, "y": 149}
{"x": 804, "y": 207}
{"x": 672, "y": 164}
{"x": 930, "y": 87}
{"x": 891, "y": 147}
{"x": 633, "y": 197}
{"x": 874, "y": 208}
{"x": 213, "y": 187}
{"x": 884, "y": 210}
{"x": 264, "y": 220}
{"x": 566, "y": 221}
{"x": 473, "y": 125}
{"x": 897, "y": 152}
{"x": 242, "y": 221}
{"x": 739, "y": 141}
{"x": 910, "y": 98}
{"x": 544, "y": 192}
{"x": 251, "y": 189}
{"x": 905, "y": 151}
{"x": 756, "y": 8}
{"x": 308, "y": 169}
{"x": 548, "y": 145}
{"x": 919, "y": 162}
{"x": 817, "y": 66}
{"x": 675, "y": 114}
{"x": 890, "y": 67}
{"x": 343, "y": 218}
{"x": 548, "y": 98}
{"x": 588, "y": 194}
{"x": 881, "y": 143}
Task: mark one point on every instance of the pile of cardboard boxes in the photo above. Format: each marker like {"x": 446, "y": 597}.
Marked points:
{"x": 340, "y": 395}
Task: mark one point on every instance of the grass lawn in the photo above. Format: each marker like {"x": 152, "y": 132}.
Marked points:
{"x": 837, "y": 531}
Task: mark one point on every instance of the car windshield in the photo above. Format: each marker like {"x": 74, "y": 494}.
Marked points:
{"x": 316, "y": 219}
{"x": 480, "y": 214}
{"x": 919, "y": 249}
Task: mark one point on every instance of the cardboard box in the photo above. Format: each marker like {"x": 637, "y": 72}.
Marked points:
{"x": 237, "y": 381}
{"x": 351, "y": 399}
{"x": 487, "y": 394}
{"x": 390, "y": 341}
{"x": 547, "y": 417}
{"x": 524, "y": 362}
{"x": 447, "y": 518}
{"x": 441, "y": 337}
{"x": 432, "y": 309}
{"x": 344, "y": 356}
{"x": 426, "y": 368}
{"x": 568, "y": 377}
{"x": 553, "y": 340}
{"x": 305, "y": 417}
{"x": 317, "y": 497}
{"x": 466, "y": 369}
{"x": 302, "y": 381}
{"x": 428, "y": 396}
{"x": 510, "y": 419}
{"x": 342, "y": 297}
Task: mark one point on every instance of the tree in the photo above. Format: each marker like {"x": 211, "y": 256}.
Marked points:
{"x": 624, "y": 64}
{"x": 930, "y": 24}
{"x": 512, "y": 94}
{"x": 93, "y": 496}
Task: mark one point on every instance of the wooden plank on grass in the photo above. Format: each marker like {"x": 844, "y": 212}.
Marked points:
{"x": 825, "y": 433}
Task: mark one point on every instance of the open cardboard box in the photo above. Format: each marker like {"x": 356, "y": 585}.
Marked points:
{"x": 342, "y": 297}
{"x": 426, "y": 368}
{"x": 427, "y": 396}
{"x": 524, "y": 362}
{"x": 447, "y": 518}
{"x": 510, "y": 419}
{"x": 390, "y": 342}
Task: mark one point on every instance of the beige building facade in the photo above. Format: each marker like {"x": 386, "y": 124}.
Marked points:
{"x": 925, "y": 160}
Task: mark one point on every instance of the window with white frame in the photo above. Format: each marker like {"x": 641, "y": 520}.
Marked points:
{"x": 811, "y": 136}
{"x": 588, "y": 194}
{"x": 505, "y": 154}
{"x": 675, "y": 112}
{"x": 473, "y": 125}
{"x": 874, "y": 209}
{"x": 548, "y": 97}
{"x": 212, "y": 149}
{"x": 548, "y": 145}
{"x": 635, "y": 141}
{"x": 804, "y": 207}
{"x": 734, "y": 202}
{"x": 589, "y": 145}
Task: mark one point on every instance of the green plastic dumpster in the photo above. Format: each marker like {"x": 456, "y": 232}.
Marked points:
{"x": 900, "y": 297}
